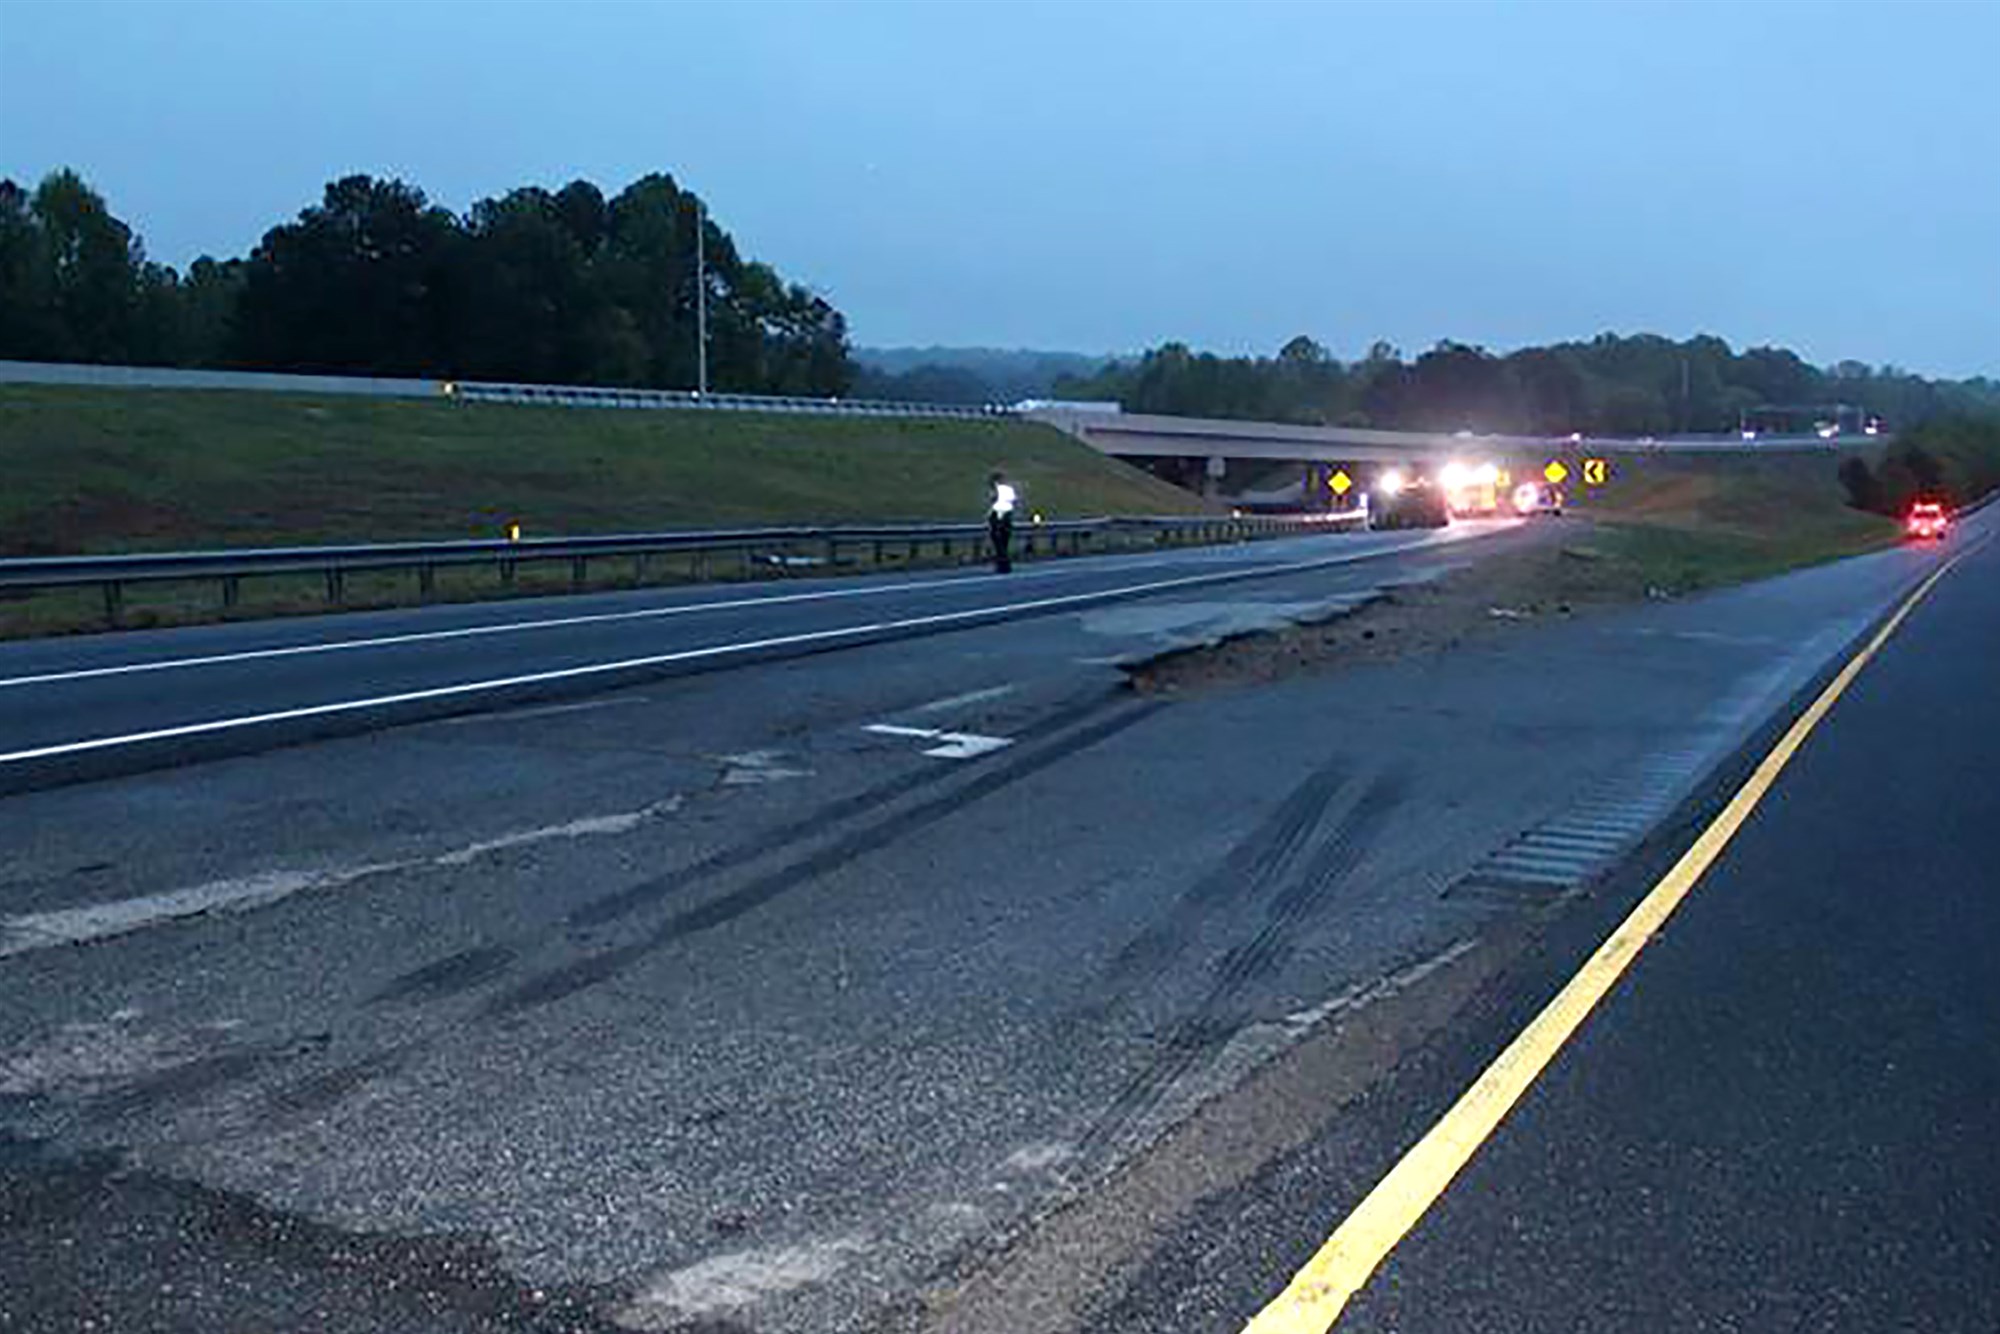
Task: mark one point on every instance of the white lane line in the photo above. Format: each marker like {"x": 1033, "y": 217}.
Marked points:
{"x": 595, "y": 826}
{"x": 893, "y": 729}
{"x": 964, "y": 701}
{"x": 97, "y": 921}
{"x": 27, "y": 932}
{"x": 968, "y": 616}
{"x": 755, "y": 768}
{"x": 610, "y": 617}
{"x": 508, "y": 627}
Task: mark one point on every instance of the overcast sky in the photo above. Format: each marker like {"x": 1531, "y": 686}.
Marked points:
{"x": 1108, "y": 176}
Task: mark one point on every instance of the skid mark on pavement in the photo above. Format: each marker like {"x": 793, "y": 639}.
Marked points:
{"x": 634, "y": 898}
{"x": 448, "y": 976}
{"x": 600, "y": 967}
{"x": 1223, "y": 1012}
{"x": 1243, "y": 875}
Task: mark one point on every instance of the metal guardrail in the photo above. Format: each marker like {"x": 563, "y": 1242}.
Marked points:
{"x": 485, "y": 391}
{"x": 758, "y": 550}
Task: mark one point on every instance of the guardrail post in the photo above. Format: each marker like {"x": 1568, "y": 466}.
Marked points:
{"x": 336, "y": 586}
{"x": 114, "y": 602}
{"x": 832, "y": 552}
{"x": 577, "y": 573}
{"x": 232, "y": 591}
{"x": 507, "y": 573}
{"x": 642, "y": 566}
{"x": 426, "y": 581}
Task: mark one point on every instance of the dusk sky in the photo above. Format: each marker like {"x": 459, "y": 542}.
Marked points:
{"x": 1103, "y": 177}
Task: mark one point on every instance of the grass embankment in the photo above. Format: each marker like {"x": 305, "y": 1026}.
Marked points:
{"x": 102, "y": 471}
{"x": 1683, "y": 523}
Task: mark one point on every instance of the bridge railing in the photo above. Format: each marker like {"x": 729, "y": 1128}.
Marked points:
{"x": 756, "y": 551}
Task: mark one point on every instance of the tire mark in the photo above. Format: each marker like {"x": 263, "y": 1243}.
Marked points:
{"x": 1221, "y": 1012}
{"x": 593, "y": 969}
{"x": 446, "y": 977}
{"x": 1242, "y": 874}
{"x": 612, "y": 907}
{"x": 470, "y": 969}
{"x": 318, "y": 1093}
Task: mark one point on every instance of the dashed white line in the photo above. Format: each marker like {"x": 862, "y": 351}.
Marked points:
{"x": 967, "y": 700}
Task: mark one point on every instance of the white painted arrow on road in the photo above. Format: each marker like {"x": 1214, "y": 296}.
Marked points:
{"x": 956, "y": 745}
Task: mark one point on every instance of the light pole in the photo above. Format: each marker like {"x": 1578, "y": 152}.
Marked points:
{"x": 700, "y": 300}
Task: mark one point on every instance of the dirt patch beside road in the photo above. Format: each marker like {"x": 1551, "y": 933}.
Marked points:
{"x": 1564, "y": 575}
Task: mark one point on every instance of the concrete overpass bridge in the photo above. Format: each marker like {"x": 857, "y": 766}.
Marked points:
{"x": 1208, "y": 454}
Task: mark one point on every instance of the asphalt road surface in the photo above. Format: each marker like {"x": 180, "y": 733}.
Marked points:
{"x": 1782, "y": 1119}
{"x": 810, "y": 994}
{"x": 88, "y": 706}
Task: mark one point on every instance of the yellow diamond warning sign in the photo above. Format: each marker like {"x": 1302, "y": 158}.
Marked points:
{"x": 1555, "y": 472}
{"x": 1340, "y": 482}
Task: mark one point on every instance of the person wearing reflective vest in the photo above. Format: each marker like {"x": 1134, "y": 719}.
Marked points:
{"x": 1001, "y": 499}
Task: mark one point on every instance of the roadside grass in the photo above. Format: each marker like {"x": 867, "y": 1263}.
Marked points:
{"x": 100, "y": 471}
{"x": 109, "y": 470}
{"x": 1677, "y": 525}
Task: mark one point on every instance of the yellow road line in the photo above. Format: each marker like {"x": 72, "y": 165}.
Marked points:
{"x": 1318, "y": 1293}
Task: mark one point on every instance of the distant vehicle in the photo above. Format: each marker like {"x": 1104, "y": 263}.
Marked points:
{"x": 1472, "y": 489}
{"x": 1928, "y": 521}
{"x": 1532, "y": 498}
{"x": 1407, "y": 500}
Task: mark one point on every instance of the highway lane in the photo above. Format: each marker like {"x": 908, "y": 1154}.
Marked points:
{"x": 1781, "y": 1118}
{"x": 108, "y": 702}
{"x": 703, "y": 987}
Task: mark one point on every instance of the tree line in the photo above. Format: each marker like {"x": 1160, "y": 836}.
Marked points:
{"x": 1952, "y": 459}
{"x": 564, "y": 287}
{"x": 1611, "y": 385}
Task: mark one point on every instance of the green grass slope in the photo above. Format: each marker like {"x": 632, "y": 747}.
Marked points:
{"x": 1691, "y": 521}
{"x": 102, "y": 470}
